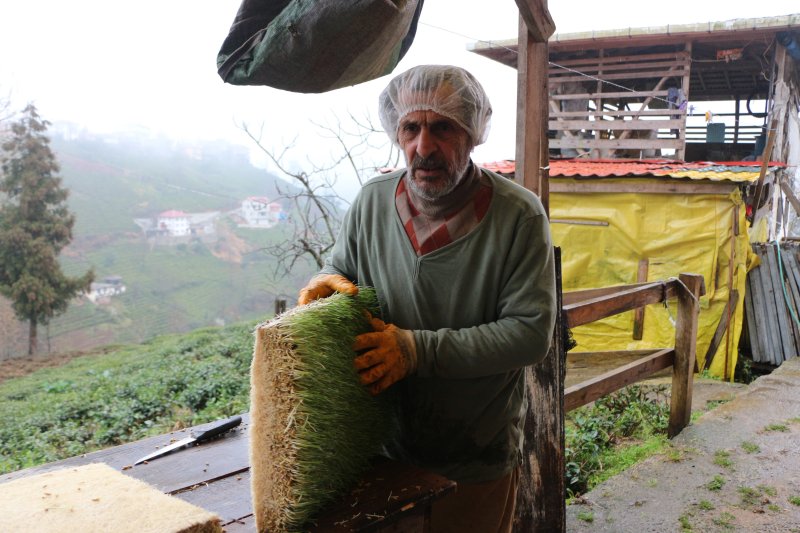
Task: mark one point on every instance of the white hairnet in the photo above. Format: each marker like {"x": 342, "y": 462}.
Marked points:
{"x": 450, "y": 91}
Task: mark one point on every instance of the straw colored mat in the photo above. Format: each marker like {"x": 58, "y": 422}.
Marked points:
{"x": 314, "y": 427}
{"x": 96, "y": 498}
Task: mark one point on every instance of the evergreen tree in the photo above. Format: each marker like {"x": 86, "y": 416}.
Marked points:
{"x": 35, "y": 225}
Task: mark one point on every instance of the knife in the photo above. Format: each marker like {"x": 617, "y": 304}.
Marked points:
{"x": 219, "y": 429}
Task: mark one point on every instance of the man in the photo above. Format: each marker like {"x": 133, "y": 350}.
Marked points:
{"x": 462, "y": 264}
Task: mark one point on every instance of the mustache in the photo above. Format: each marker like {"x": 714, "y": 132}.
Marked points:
{"x": 427, "y": 163}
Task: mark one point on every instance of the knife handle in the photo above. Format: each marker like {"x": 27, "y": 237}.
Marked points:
{"x": 219, "y": 430}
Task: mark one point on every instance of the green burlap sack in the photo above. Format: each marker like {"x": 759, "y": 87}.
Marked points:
{"x": 313, "y": 46}
{"x": 314, "y": 427}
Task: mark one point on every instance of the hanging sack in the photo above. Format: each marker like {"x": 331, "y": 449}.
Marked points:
{"x": 313, "y": 46}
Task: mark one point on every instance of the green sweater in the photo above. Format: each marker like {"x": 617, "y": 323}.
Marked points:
{"x": 481, "y": 308}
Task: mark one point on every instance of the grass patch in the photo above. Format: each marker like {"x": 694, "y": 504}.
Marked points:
{"x": 723, "y": 458}
{"x": 768, "y": 490}
{"x": 586, "y": 516}
{"x": 749, "y": 495}
{"x": 783, "y": 428}
{"x": 706, "y": 505}
{"x": 716, "y": 483}
{"x": 619, "y": 430}
{"x": 750, "y": 447}
{"x": 794, "y": 500}
{"x": 725, "y": 520}
{"x": 686, "y": 525}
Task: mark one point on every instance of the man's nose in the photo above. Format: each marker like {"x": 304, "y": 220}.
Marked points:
{"x": 426, "y": 144}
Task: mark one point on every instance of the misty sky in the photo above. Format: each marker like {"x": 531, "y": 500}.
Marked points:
{"x": 152, "y": 63}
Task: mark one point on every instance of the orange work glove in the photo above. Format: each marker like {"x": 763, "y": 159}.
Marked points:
{"x": 391, "y": 355}
{"x": 323, "y": 286}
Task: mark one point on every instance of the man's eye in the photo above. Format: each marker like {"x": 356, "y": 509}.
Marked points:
{"x": 411, "y": 128}
{"x": 442, "y": 127}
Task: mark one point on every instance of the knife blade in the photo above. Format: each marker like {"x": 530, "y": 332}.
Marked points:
{"x": 212, "y": 432}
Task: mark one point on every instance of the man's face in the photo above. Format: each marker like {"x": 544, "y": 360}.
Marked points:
{"x": 436, "y": 150}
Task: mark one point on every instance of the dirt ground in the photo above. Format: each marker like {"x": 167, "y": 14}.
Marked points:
{"x": 22, "y": 366}
{"x": 736, "y": 468}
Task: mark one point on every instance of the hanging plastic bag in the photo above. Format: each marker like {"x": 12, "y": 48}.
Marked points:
{"x": 313, "y": 46}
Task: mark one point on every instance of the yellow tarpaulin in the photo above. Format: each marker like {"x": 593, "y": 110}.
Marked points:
{"x": 603, "y": 237}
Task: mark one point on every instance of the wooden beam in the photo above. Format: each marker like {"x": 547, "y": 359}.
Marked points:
{"x": 765, "y": 164}
{"x": 615, "y": 379}
{"x": 621, "y": 142}
{"x": 592, "y": 96}
{"x": 668, "y": 186}
{"x": 615, "y": 124}
{"x": 722, "y": 327}
{"x": 582, "y": 295}
{"x": 532, "y": 113}
{"x": 606, "y": 67}
{"x": 634, "y": 75}
{"x": 787, "y": 191}
{"x": 638, "y": 313}
{"x": 540, "y": 499}
{"x": 537, "y": 19}
{"x": 622, "y": 113}
{"x": 692, "y": 287}
{"x": 587, "y": 311}
{"x": 608, "y": 60}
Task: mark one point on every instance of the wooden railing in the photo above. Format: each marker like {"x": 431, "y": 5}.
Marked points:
{"x": 541, "y": 505}
{"x": 583, "y": 307}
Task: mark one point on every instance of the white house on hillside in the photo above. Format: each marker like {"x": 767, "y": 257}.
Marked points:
{"x": 259, "y": 212}
{"x": 109, "y": 286}
{"x": 176, "y": 223}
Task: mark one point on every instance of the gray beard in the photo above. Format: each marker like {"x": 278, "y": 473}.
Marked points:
{"x": 455, "y": 178}
{"x": 448, "y": 199}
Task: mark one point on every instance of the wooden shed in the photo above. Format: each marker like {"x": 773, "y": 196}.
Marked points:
{"x": 713, "y": 102}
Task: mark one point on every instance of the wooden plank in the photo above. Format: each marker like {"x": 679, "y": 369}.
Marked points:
{"x": 680, "y": 410}
{"x": 388, "y": 493}
{"x": 792, "y": 274}
{"x": 781, "y": 311}
{"x": 560, "y": 69}
{"x": 615, "y": 124}
{"x": 229, "y": 497}
{"x": 680, "y": 153}
{"x": 756, "y": 350}
{"x": 590, "y": 390}
{"x": 638, "y": 313}
{"x": 619, "y": 113}
{"x": 592, "y": 96}
{"x": 765, "y": 157}
{"x": 760, "y": 307}
{"x": 577, "y": 222}
{"x": 540, "y": 500}
{"x": 770, "y": 310}
{"x": 611, "y": 60}
{"x": 620, "y": 143}
{"x": 185, "y": 468}
{"x": 587, "y": 311}
{"x": 635, "y": 75}
{"x": 537, "y": 19}
{"x": 582, "y": 295}
{"x": 669, "y": 186}
{"x": 722, "y": 327}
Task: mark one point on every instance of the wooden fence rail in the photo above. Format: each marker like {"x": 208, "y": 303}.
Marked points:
{"x": 583, "y": 307}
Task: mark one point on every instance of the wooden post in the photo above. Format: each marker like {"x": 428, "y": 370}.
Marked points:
{"x": 685, "y": 352}
{"x": 638, "y": 314}
{"x": 541, "y": 500}
{"x": 532, "y": 148}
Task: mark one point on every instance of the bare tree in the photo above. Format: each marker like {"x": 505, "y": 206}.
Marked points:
{"x": 361, "y": 150}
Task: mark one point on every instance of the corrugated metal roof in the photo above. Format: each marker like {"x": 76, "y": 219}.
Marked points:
{"x": 704, "y": 28}
{"x": 737, "y": 171}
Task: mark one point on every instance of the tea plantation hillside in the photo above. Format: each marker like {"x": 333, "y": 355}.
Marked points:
{"x": 124, "y": 394}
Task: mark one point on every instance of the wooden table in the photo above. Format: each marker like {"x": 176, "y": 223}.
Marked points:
{"x": 216, "y": 476}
